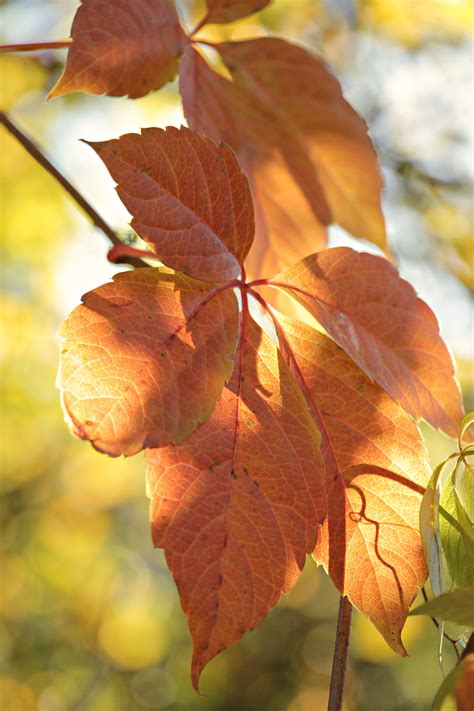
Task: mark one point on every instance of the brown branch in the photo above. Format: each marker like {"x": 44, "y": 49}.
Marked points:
{"x": 34, "y": 46}
{"x": 339, "y": 660}
{"x": 40, "y": 158}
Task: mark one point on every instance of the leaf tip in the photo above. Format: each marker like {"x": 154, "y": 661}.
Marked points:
{"x": 59, "y": 88}
{"x": 93, "y": 144}
{"x": 196, "y": 671}
{"x": 52, "y": 94}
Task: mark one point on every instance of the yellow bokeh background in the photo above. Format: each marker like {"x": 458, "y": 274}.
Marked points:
{"x": 90, "y": 619}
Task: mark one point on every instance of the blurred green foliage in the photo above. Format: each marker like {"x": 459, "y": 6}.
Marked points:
{"x": 90, "y": 619}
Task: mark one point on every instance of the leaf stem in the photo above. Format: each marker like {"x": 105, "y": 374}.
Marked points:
{"x": 339, "y": 660}
{"x": 41, "y": 159}
{"x": 34, "y": 46}
{"x": 116, "y": 254}
{"x": 259, "y": 282}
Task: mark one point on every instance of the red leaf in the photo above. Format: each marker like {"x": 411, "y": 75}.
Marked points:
{"x": 122, "y": 47}
{"x": 389, "y": 332}
{"x": 376, "y": 470}
{"x": 145, "y": 358}
{"x": 303, "y": 147}
{"x": 237, "y": 505}
{"x": 220, "y": 11}
{"x": 189, "y": 199}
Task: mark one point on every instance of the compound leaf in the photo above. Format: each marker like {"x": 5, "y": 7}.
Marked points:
{"x": 254, "y": 443}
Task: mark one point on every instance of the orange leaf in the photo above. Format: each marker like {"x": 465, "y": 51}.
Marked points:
{"x": 387, "y": 330}
{"x": 376, "y": 470}
{"x": 145, "y": 358}
{"x": 220, "y": 11}
{"x": 189, "y": 199}
{"x": 303, "y": 147}
{"x": 236, "y": 506}
{"x": 122, "y": 47}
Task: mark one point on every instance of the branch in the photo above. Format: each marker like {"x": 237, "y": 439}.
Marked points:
{"x": 34, "y": 46}
{"x": 339, "y": 660}
{"x": 40, "y": 158}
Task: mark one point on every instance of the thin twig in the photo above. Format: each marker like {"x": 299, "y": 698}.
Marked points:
{"x": 40, "y": 158}
{"x": 339, "y": 660}
{"x": 34, "y": 46}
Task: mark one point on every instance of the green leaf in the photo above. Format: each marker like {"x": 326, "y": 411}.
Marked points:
{"x": 456, "y": 606}
{"x": 457, "y": 528}
{"x": 445, "y": 699}
{"x": 429, "y": 528}
{"x": 466, "y": 422}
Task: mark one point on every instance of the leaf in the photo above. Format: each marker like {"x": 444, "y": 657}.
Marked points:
{"x": 444, "y": 699}
{"x": 220, "y": 11}
{"x": 466, "y": 430}
{"x": 189, "y": 199}
{"x": 159, "y": 359}
{"x": 376, "y": 468}
{"x": 122, "y": 47}
{"x": 390, "y": 333}
{"x": 145, "y": 358}
{"x": 457, "y": 529}
{"x": 464, "y": 685}
{"x": 456, "y": 606}
{"x": 429, "y": 529}
{"x": 303, "y": 147}
{"x": 236, "y": 506}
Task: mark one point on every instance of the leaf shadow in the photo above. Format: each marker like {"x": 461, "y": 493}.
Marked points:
{"x": 337, "y": 519}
